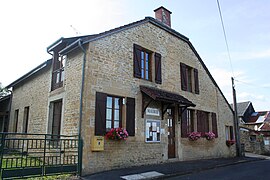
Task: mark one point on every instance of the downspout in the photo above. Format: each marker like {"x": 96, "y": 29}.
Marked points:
{"x": 81, "y": 111}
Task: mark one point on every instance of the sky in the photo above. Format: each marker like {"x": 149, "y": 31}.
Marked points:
{"x": 28, "y": 27}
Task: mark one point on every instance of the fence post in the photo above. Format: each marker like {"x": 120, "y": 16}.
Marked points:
{"x": 2, "y": 146}
{"x": 80, "y": 151}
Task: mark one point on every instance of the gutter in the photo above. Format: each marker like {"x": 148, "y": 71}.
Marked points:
{"x": 80, "y": 150}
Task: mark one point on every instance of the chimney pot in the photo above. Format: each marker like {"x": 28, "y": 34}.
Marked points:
{"x": 163, "y": 15}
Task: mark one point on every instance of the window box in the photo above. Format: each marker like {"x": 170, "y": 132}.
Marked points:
{"x": 194, "y": 136}
{"x": 230, "y": 142}
{"x": 117, "y": 134}
{"x": 210, "y": 135}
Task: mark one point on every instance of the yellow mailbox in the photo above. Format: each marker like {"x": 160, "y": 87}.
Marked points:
{"x": 97, "y": 143}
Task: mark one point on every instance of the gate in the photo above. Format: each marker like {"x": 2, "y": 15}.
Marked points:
{"x": 27, "y": 155}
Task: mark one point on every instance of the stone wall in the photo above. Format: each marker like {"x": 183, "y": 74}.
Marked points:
{"x": 32, "y": 93}
{"x": 110, "y": 70}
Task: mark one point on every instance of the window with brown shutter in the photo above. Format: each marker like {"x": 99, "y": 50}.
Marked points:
{"x": 196, "y": 80}
{"x": 142, "y": 64}
{"x": 130, "y": 116}
{"x": 214, "y": 124}
{"x": 189, "y": 78}
{"x": 100, "y": 114}
{"x": 202, "y": 122}
{"x": 184, "y": 132}
{"x": 158, "y": 78}
{"x": 137, "y": 61}
{"x": 183, "y": 76}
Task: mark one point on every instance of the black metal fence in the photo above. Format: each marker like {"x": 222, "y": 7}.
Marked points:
{"x": 28, "y": 155}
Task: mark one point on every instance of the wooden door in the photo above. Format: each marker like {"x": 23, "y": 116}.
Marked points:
{"x": 171, "y": 135}
{"x": 56, "y": 124}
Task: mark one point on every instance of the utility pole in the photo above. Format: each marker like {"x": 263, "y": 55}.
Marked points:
{"x": 236, "y": 122}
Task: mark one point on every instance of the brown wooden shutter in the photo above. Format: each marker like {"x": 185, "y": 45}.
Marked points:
{"x": 130, "y": 116}
{"x": 158, "y": 78}
{"x": 184, "y": 124}
{"x": 231, "y": 133}
{"x": 214, "y": 124}
{"x": 183, "y": 73}
{"x": 196, "y": 80}
{"x": 137, "y": 61}
{"x": 199, "y": 121}
{"x": 100, "y": 114}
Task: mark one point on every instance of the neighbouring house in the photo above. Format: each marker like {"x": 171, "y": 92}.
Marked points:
{"x": 4, "y": 113}
{"x": 144, "y": 77}
{"x": 254, "y": 128}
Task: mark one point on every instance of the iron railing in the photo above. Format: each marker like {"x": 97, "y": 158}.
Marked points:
{"x": 27, "y": 155}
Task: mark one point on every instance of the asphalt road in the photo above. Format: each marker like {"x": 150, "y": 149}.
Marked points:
{"x": 259, "y": 170}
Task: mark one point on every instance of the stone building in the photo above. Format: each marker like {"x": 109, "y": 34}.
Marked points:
{"x": 144, "y": 77}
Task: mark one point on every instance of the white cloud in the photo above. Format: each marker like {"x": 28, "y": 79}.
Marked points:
{"x": 251, "y": 55}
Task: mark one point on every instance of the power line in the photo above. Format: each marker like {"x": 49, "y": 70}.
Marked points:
{"x": 225, "y": 37}
{"x": 252, "y": 85}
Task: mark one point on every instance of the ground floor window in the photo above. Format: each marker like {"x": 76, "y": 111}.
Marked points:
{"x": 113, "y": 112}
{"x": 152, "y": 130}
{"x": 229, "y": 133}
{"x": 55, "y": 118}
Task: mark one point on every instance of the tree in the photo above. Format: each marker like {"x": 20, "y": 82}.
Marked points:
{"x": 3, "y": 91}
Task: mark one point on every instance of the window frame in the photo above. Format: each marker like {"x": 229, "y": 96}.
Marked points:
{"x": 16, "y": 120}
{"x": 190, "y": 120}
{"x": 113, "y": 112}
{"x": 229, "y": 133}
{"x": 25, "y": 119}
{"x": 189, "y": 78}
{"x": 58, "y": 72}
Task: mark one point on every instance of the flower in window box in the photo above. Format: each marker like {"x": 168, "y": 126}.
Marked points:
{"x": 193, "y": 136}
{"x": 117, "y": 134}
{"x": 230, "y": 142}
{"x": 210, "y": 135}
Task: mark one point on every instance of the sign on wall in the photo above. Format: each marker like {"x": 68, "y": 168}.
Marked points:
{"x": 152, "y": 130}
{"x": 152, "y": 111}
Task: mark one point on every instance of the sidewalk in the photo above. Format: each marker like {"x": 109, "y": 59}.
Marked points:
{"x": 172, "y": 168}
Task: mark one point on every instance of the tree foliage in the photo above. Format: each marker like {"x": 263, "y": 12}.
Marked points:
{"x": 3, "y": 91}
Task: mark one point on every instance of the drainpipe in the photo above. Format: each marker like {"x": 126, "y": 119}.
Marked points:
{"x": 81, "y": 110}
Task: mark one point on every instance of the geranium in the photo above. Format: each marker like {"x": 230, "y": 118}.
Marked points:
{"x": 210, "y": 135}
{"x": 193, "y": 136}
{"x": 117, "y": 134}
{"x": 230, "y": 142}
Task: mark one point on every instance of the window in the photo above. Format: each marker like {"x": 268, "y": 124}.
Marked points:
{"x": 25, "y": 119}
{"x": 203, "y": 119}
{"x": 187, "y": 122}
{"x": 202, "y": 122}
{"x": 113, "y": 112}
{"x": 58, "y": 71}
{"x": 152, "y": 130}
{"x": 108, "y": 113}
{"x": 143, "y": 64}
{"x": 189, "y": 78}
{"x": 252, "y": 138}
{"x": 16, "y": 118}
{"x": 229, "y": 133}
{"x": 55, "y": 118}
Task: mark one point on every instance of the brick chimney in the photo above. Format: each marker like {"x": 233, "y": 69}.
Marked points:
{"x": 163, "y": 15}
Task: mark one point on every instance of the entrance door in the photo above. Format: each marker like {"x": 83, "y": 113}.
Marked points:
{"x": 171, "y": 134}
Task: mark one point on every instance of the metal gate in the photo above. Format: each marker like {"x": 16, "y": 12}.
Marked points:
{"x": 28, "y": 155}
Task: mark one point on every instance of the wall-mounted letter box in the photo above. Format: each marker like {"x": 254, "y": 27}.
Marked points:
{"x": 97, "y": 143}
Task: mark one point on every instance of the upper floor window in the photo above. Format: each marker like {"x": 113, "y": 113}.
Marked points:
{"x": 143, "y": 64}
{"x": 58, "y": 73}
{"x": 189, "y": 78}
